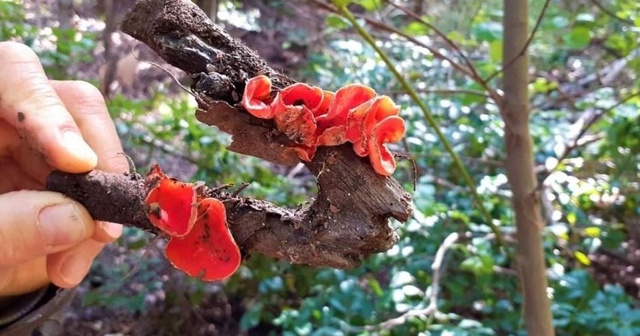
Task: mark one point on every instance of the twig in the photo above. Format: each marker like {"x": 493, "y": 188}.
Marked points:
{"x": 383, "y": 26}
{"x": 575, "y": 143}
{"x": 429, "y": 117}
{"x": 432, "y": 307}
{"x": 448, "y": 92}
{"x": 526, "y": 45}
{"x": 474, "y": 73}
{"x": 610, "y": 13}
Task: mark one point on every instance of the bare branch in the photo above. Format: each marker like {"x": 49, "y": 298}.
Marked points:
{"x": 347, "y": 221}
{"x": 432, "y": 294}
{"x": 610, "y": 13}
{"x": 474, "y": 73}
{"x": 577, "y": 141}
{"x": 448, "y": 92}
{"x": 385, "y": 27}
{"x": 526, "y": 45}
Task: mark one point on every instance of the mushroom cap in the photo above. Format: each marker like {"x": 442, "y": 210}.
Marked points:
{"x": 390, "y": 129}
{"x": 311, "y": 117}
{"x": 171, "y": 204}
{"x": 209, "y": 251}
{"x": 257, "y": 97}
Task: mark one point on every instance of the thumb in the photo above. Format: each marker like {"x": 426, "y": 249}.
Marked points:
{"x": 38, "y": 223}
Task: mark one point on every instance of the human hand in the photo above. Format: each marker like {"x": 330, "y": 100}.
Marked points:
{"x": 44, "y": 125}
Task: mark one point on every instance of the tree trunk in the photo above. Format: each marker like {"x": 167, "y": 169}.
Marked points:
{"x": 520, "y": 171}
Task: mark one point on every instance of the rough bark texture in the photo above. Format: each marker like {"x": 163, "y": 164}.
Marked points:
{"x": 520, "y": 172}
{"x": 348, "y": 220}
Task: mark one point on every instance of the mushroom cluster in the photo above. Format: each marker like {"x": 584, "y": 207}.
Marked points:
{"x": 200, "y": 243}
{"x": 312, "y": 117}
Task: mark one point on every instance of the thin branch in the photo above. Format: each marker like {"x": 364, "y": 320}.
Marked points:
{"x": 526, "y": 45}
{"x": 432, "y": 306}
{"x": 429, "y": 117}
{"x": 385, "y": 27}
{"x": 474, "y": 73}
{"x": 448, "y": 92}
{"x": 610, "y": 13}
{"x": 576, "y": 142}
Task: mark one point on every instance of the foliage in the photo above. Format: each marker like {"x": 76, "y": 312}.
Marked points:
{"x": 590, "y": 193}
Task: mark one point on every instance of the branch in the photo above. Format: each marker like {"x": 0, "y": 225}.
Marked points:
{"x": 430, "y": 119}
{"x": 526, "y": 45}
{"x": 473, "y": 71}
{"x": 576, "y": 142}
{"x": 446, "y": 92}
{"x": 610, "y": 13}
{"x": 519, "y": 167}
{"x": 385, "y": 27}
{"x": 432, "y": 305}
{"x": 349, "y": 218}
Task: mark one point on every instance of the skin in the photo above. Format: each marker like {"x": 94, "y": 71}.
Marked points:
{"x": 45, "y": 125}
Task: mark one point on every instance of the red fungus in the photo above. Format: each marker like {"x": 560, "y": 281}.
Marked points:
{"x": 344, "y": 100}
{"x": 363, "y": 119}
{"x": 209, "y": 251}
{"x": 257, "y": 96}
{"x": 171, "y": 204}
{"x": 295, "y": 121}
{"x": 390, "y": 129}
{"x": 311, "y": 117}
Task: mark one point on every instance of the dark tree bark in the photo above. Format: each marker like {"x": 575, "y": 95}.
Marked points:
{"x": 347, "y": 221}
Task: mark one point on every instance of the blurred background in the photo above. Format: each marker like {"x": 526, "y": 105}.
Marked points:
{"x": 584, "y": 88}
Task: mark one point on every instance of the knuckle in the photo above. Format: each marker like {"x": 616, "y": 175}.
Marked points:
{"x": 114, "y": 161}
{"x": 87, "y": 95}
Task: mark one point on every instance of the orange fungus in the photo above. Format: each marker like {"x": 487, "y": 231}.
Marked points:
{"x": 171, "y": 204}
{"x": 311, "y": 117}
{"x": 209, "y": 251}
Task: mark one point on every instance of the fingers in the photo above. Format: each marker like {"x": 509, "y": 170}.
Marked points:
{"x": 38, "y": 223}
{"x": 86, "y": 104}
{"x": 29, "y": 103}
{"x": 106, "y": 232}
{"x": 24, "y": 278}
{"x": 66, "y": 269}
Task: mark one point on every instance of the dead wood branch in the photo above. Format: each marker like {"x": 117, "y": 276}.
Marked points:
{"x": 348, "y": 220}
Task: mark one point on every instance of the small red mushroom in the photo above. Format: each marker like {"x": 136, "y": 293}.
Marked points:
{"x": 390, "y": 129}
{"x": 257, "y": 97}
{"x": 171, "y": 204}
{"x": 302, "y": 94}
{"x": 311, "y": 117}
{"x": 295, "y": 121}
{"x": 363, "y": 119}
{"x": 209, "y": 251}
{"x": 344, "y": 100}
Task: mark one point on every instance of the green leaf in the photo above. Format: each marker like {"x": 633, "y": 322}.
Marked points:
{"x": 579, "y": 38}
{"x": 593, "y": 232}
{"x": 251, "y": 317}
{"x": 370, "y": 5}
{"x": 582, "y": 258}
{"x": 495, "y": 51}
{"x": 341, "y": 3}
{"x": 416, "y": 29}
{"x": 337, "y": 22}
{"x": 488, "y": 31}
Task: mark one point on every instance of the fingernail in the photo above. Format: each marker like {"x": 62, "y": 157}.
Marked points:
{"x": 114, "y": 231}
{"x": 61, "y": 224}
{"x": 76, "y": 145}
{"x": 74, "y": 268}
